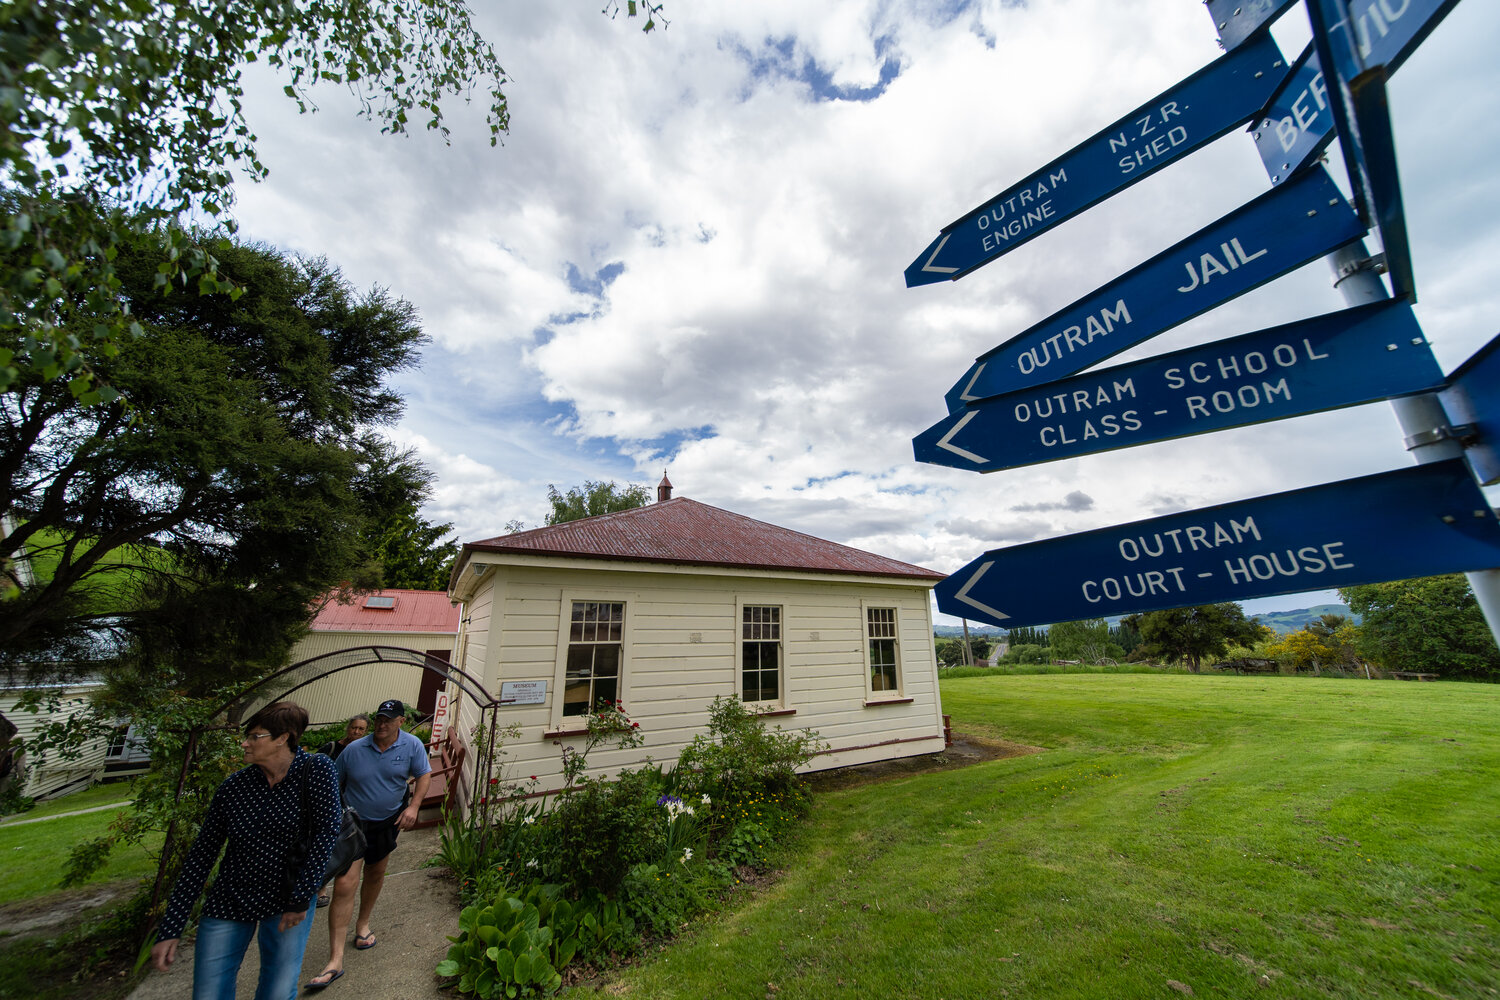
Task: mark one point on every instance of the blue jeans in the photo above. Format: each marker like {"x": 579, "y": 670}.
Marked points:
{"x": 221, "y": 948}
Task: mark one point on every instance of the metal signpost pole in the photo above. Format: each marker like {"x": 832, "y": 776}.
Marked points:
{"x": 1429, "y": 437}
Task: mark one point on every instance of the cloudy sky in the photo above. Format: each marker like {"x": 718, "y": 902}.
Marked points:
{"x": 688, "y": 253}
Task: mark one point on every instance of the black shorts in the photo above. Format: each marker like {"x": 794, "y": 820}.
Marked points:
{"x": 380, "y": 837}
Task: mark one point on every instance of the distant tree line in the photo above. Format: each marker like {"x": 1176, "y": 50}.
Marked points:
{"x": 1431, "y": 625}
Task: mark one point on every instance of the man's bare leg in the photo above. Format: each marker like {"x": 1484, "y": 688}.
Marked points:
{"x": 369, "y": 891}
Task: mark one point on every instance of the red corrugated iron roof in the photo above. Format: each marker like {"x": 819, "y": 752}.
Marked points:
{"x": 686, "y": 531}
{"x": 413, "y": 611}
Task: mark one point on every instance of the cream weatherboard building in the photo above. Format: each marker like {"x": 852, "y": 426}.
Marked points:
{"x": 421, "y": 620}
{"x": 666, "y": 607}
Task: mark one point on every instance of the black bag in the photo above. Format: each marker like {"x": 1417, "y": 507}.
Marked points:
{"x": 349, "y": 848}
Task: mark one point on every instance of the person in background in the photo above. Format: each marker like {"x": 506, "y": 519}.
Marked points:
{"x": 357, "y": 727}
{"x": 257, "y": 812}
{"x": 353, "y": 730}
{"x": 373, "y": 774}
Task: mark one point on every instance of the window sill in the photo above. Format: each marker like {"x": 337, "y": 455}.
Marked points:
{"x": 557, "y": 733}
{"x": 771, "y": 713}
{"x": 888, "y": 701}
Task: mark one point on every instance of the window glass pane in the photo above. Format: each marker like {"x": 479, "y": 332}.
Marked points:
{"x": 606, "y": 661}
{"x": 580, "y": 661}
{"x": 768, "y": 685}
{"x": 576, "y": 698}
{"x": 751, "y": 687}
{"x": 606, "y": 689}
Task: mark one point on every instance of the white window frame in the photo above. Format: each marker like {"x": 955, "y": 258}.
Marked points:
{"x": 569, "y": 723}
{"x": 865, "y": 607}
{"x": 741, "y": 603}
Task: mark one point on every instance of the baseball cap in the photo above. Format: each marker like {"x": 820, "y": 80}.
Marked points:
{"x": 391, "y": 709}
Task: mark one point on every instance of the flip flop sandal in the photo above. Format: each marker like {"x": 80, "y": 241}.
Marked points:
{"x": 364, "y": 947}
{"x": 333, "y": 978}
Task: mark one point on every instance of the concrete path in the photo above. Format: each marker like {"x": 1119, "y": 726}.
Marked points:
{"x": 418, "y": 908}
{"x": 17, "y": 821}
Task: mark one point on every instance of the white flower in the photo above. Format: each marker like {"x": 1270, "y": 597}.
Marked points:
{"x": 531, "y": 863}
{"x": 687, "y": 855}
{"x": 688, "y": 810}
{"x": 528, "y": 821}
{"x": 706, "y": 799}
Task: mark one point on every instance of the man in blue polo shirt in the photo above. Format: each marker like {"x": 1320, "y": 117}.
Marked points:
{"x": 373, "y": 772}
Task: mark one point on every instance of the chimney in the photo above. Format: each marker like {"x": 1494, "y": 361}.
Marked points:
{"x": 664, "y": 488}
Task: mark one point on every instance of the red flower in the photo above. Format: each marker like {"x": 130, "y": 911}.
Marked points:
{"x": 533, "y": 777}
{"x": 483, "y": 799}
{"x": 494, "y": 781}
{"x": 635, "y": 725}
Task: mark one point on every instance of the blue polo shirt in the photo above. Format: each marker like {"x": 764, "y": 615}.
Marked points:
{"x": 374, "y": 782}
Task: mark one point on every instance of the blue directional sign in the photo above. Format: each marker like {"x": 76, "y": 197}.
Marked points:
{"x": 1298, "y": 124}
{"x": 1345, "y": 358}
{"x": 1227, "y": 92}
{"x": 1472, "y": 401}
{"x": 1278, "y": 231}
{"x": 1237, "y": 20}
{"x": 1420, "y": 521}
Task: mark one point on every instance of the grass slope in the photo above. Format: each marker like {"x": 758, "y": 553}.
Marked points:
{"x": 1181, "y": 835}
{"x": 33, "y": 856}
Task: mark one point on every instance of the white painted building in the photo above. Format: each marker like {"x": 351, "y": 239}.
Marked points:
{"x": 422, "y": 620}
{"x": 666, "y": 606}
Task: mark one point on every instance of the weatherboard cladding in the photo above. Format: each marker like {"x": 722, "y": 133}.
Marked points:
{"x": 685, "y": 531}
{"x": 414, "y": 611}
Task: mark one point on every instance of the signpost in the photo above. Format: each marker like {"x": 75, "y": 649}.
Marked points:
{"x": 1229, "y": 91}
{"x": 1267, "y": 237}
{"x": 1025, "y": 402}
{"x": 1345, "y": 358}
{"x": 1420, "y": 521}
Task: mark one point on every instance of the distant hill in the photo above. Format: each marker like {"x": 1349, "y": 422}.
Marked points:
{"x": 1290, "y": 621}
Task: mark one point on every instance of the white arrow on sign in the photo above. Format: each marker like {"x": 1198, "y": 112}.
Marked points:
{"x": 929, "y": 266}
{"x": 963, "y": 594}
{"x": 946, "y": 440}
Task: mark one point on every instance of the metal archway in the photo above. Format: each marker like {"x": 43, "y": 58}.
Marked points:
{"x": 280, "y": 685}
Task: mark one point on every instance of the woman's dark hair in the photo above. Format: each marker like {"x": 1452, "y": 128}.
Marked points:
{"x": 281, "y": 717}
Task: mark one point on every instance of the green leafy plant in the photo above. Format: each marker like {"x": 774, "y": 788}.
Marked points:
{"x": 502, "y": 950}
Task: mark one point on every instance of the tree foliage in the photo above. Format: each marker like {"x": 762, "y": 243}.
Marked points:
{"x": 594, "y": 498}
{"x": 1192, "y": 634}
{"x": 138, "y": 106}
{"x": 204, "y": 518}
{"x": 1431, "y": 624}
{"x": 950, "y": 652}
{"x": 409, "y": 548}
{"x": 1086, "y": 640}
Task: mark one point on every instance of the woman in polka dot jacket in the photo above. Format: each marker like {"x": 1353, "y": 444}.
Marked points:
{"x": 258, "y": 812}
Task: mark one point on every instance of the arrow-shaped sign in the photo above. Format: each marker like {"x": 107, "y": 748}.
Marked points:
{"x": 1237, "y": 20}
{"x": 1414, "y": 522}
{"x": 1298, "y": 123}
{"x": 1472, "y": 401}
{"x": 1227, "y": 92}
{"x": 1263, "y": 239}
{"x": 1345, "y": 358}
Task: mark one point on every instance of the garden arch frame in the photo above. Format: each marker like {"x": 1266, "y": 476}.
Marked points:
{"x": 285, "y": 682}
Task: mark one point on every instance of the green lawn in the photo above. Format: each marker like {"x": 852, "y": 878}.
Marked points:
{"x": 33, "y": 855}
{"x": 1227, "y": 836}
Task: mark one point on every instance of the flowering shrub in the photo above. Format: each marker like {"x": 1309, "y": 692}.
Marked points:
{"x": 646, "y": 850}
{"x": 741, "y": 761}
